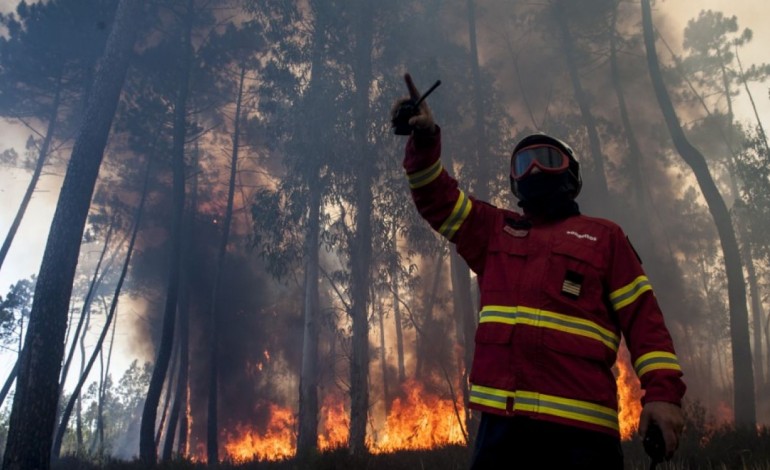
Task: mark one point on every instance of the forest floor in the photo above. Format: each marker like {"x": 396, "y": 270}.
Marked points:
{"x": 721, "y": 449}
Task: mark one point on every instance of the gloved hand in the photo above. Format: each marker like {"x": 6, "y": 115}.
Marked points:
{"x": 421, "y": 119}
{"x": 669, "y": 419}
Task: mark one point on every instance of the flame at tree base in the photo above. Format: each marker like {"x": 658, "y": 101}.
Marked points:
{"x": 417, "y": 420}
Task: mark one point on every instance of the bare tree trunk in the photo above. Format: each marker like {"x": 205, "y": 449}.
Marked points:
{"x": 394, "y": 276}
{"x": 147, "y": 450}
{"x": 743, "y": 377}
{"x": 313, "y": 135}
{"x": 184, "y": 313}
{"x": 167, "y": 398}
{"x": 361, "y": 250}
{"x": 212, "y": 427}
{"x": 568, "y": 44}
{"x": 62, "y": 429}
{"x": 96, "y": 280}
{"x": 307, "y": 438}
{"x": 383, "y": 360}
{"x": 9, "y": 382}
{"x": 482, "y": 156}
{"x": 466, "y": 321}
{"x": 34, "y": 407}
{"x": 41, "y": 158}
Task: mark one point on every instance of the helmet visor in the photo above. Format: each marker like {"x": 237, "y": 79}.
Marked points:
{"x": 547, "y": 158}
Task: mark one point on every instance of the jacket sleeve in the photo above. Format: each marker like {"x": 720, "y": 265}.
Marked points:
{"x": 642, "y": 324}
{"x": 451, "y": 212}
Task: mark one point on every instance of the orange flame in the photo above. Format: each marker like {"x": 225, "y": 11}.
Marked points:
{"x": 420, "y": 420}
{"x": 629, "y": 394}
{"x": 275, "y": 442}
{"x": 334, "y": 424}
{"x": 417, "y": 420}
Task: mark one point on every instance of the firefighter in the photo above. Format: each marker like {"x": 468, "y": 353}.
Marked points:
{"x": 557, "y": 291}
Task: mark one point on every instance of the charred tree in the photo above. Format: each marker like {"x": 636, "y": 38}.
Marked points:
{"x": 743, "y": 377}
{"x": 182, "y": 397}
{"x": 147, "y": 450}
{"x": 34, "y": 408}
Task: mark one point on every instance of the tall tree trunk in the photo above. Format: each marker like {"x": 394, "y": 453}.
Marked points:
{"x": 147, "y": 450}
{"x": 103, "y": 391}
{"x": 184, "y": 310}
{"x": 743, "y": 377}
{"x": 597, "y": 159}
{"x": 9, "y": 382}
{"x": 56, "y": 447}
{"x": 313, "y": 135}
{"x": 34, "y": 407}
{"x": 167, "y": 398}
{"x": 173, "y": 415}
{"x": 394, "y": 276}
{"x": 41, "y": 158}
{"x": 79, "y": 401}
{"x": 635, "y": 154}
{"x": 96, "y": 280}
{"x": 307, "y": 438}
{"x": 482, "y": 156}
{"x": 212, "y": 428}
{"x": 466, "y": 321}
{"x": 383, "y": 361}
{"x": 361, "y": 250}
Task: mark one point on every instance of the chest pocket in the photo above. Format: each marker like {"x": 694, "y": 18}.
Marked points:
{"x": 505, "y": 263}
{"x": 574, "y": 278}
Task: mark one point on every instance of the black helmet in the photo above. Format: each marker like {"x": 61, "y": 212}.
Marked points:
{"x": 574, "y": 181}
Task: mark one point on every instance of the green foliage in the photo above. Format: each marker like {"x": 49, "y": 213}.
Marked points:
{"x": 15, "y": 308}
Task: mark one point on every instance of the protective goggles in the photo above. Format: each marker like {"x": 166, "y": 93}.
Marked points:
{"x": 547, "y": 158}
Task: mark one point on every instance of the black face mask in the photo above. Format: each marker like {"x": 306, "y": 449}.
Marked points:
{"x": 548, "y": 195}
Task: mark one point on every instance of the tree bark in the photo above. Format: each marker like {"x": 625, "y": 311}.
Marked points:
{"x": 743, "y": 377}
{"x": 361, "y": 250}
{"x": 34, "y": 408}
{"x": 394, "y": 276}
{"x": 212, "y": 428}
{"x": 147, "y": 450}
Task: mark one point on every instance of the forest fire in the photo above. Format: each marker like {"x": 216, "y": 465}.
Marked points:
{"x": 416, "y": 420}
{"x": 274, "y": 442}
{"x": 420, "y": 420}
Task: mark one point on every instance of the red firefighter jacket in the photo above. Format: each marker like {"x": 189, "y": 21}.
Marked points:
{"x": 555, "y": 298}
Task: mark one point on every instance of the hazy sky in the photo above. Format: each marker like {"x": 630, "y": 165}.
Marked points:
{"x": 26, "y": 252}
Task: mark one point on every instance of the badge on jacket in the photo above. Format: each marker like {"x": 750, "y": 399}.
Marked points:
{"x": 517, "y": 228}
{"x": 573, "y": 282}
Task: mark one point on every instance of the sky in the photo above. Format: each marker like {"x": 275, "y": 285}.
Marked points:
{"x": 26, "y": 252}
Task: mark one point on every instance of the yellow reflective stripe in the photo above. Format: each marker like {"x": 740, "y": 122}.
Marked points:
{"x": 459, "y": 213}
{"x": 569, "y": 408}
{"x": 420, "y": 178}
{"x": 545, "y": 319}
{"x": 630, "y": 292}
{"x": 656, "y": 360}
